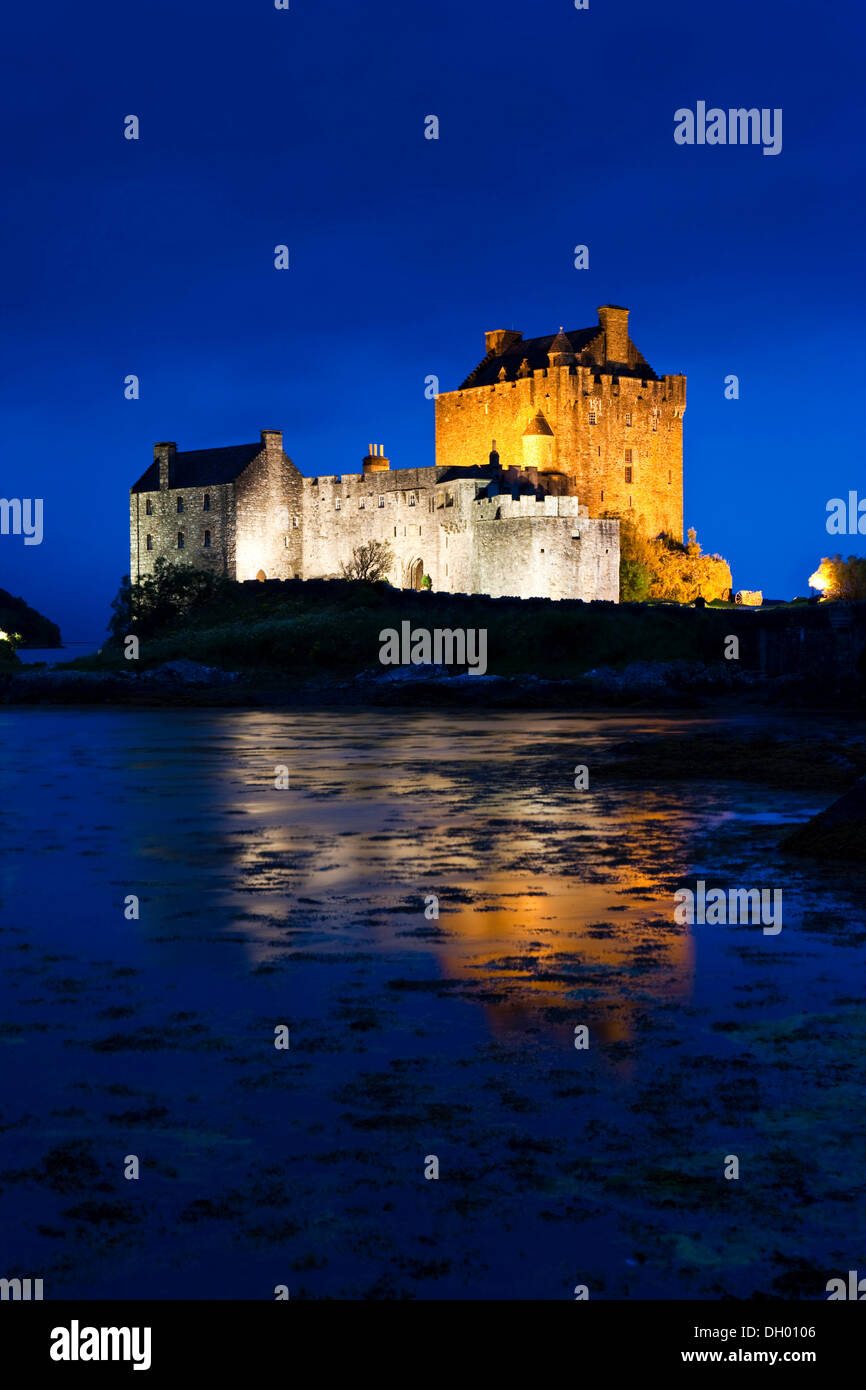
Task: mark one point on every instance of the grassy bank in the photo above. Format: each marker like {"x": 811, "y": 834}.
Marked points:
{"x": 320, "y": 628}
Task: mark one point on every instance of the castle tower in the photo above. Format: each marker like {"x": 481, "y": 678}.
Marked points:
{"x": 538, "y": 444}
{"x": 600, "y": 415}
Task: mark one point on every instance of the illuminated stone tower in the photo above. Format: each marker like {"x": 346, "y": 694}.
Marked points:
{"x": 585, "y": 404}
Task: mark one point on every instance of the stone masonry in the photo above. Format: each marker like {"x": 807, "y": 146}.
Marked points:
{"x": 491, "y": 530}
{"x": 583, "y": 403}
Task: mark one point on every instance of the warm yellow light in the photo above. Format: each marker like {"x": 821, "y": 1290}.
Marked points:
{"x": 821, "y": 578}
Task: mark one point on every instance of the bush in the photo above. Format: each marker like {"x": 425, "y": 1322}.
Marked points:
{"x": 171, "y": 593}
{"x": 370, "y": 561}
{"x": 665, "y": 570}
{"x": 840, "y": 579}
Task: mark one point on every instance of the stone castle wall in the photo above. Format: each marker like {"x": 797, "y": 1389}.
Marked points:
{"x": 395, "y": 505}
{"x": 163, "y": 524}
{"x": 546, "y": 548}
{"x": 269, "y": 504}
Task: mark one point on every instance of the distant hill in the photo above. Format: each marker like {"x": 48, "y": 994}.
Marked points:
{"x": 18, "y": 616}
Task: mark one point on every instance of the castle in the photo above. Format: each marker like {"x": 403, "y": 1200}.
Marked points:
{"x": 538, "y": 452}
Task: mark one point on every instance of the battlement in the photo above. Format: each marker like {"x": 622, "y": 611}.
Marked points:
{"x": 591, "y": 380}
{"x": 504, "y": 507}
{"x": 370, "y": 483}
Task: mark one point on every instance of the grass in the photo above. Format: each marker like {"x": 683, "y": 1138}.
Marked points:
{"x": 331, "y": 628}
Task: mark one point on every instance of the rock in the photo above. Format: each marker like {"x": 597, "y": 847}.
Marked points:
{"x": 189, "y": 672}
{"x": 837, "y": 833}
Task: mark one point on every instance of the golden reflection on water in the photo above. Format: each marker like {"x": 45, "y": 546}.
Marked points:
{"x": 549, "y": 896}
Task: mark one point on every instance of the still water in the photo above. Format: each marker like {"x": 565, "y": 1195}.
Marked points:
{"x": 412, "y": 1037}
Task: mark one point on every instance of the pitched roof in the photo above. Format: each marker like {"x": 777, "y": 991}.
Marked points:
{"x": 200, "y": 467}
{"x": 561, "y": 343}
{"x": 536, "y": 351}
{"x": 538, "y": 425}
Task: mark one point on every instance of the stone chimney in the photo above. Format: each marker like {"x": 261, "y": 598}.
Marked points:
{"x": 163, "y": 454}
{"x": 613, "y": 321}
{"x": 376, "y": 462}
{"x": 500, "y": 340}
{"x": 272, "y": 442}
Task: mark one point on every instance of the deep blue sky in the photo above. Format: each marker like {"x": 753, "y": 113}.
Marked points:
{"x": 306, "y": 127}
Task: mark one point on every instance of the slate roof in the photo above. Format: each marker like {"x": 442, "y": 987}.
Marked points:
{"x": 561, "y": 343}
{"x": 201, "y": 467}
{"x": 536, "y": 350}
{"x": 538, "y": 425}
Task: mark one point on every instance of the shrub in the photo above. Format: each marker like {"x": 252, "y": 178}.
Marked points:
{"x": 370, "y": 561}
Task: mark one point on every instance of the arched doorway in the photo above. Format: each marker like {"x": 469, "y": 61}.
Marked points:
{"x": 416, "y": 574}
{"x": 261, "y": 576}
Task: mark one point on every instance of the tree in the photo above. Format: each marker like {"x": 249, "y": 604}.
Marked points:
{"x": 171, "y": 592}
{"x": 840, "y": 579}
{"x": 370, "y": 561}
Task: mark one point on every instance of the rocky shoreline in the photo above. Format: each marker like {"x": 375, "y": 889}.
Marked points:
{"x": 654, "y": 684}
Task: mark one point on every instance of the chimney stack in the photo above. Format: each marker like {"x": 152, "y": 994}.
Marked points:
{"x": 613, "y": 321}
{"x": 272, "y": 441}
{"x": 500, "y": 340}
{"x": 163, "y": 454}
{"x": 376, "y": 462}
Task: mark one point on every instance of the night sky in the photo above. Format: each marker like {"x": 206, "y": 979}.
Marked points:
{"x": 306, "y": 127}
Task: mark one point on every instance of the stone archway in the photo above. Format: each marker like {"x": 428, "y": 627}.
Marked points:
{"x": 414, "y": 574}
{"x": 261, "y": 576}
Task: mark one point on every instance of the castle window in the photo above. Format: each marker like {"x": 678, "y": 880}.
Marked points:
{"x": 207, "y": 540}
{"x": 602, "y": 494}
{"x": 395, "y": 530}
{"x": 381, "y": 499}
{"x": 361, "y": 503}
{"x": 180, "y": 540}
{"x": 628, "y": 417}
{"x": 628, "y": 475}
{"x": 205, "y": 506}
{"x": 411, "y": 499}
{"x": 336, "y": 504}
{"x": 655, "y": 424}
{"x": 592, "y": 419}
{"x": 150, "y": 543}
{"x": 148, "y": 508}
{"x": 669, "y": 478}
{"x": 180, "y": 504}
{"x": 294, "y": 523}
{"x": 628, "y": 456}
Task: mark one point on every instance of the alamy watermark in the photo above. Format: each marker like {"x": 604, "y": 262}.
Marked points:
{"x": 442, "y": 647}
{"x": 21, "y": 1290}
{"x": 736, "y": 126}
{"x": 718, "y": 908}
{"x": 22, "y": 517}
{"x": 846, "y": 520}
